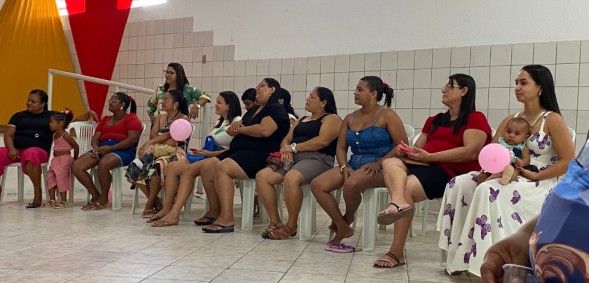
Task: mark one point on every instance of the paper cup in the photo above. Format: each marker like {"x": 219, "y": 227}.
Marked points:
{"x": 514, "y": 273}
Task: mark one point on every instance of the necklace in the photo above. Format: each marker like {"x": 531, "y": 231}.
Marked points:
{"x": 168, "y": 120}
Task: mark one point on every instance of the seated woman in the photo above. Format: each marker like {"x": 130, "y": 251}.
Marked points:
{"x": 181, "y": 174}
{"x": 28, "y": 140}
{"x": 372, "y": 132}
{"x": 449, "y": 144}
{"x": 256, "y": 136}
{"x": 474, "y": 217}
{"x": 147, "y": 171}
{"x": 114, "y": 144}
{"x": 308, "y": 150}
{"x": 284, "y": 99}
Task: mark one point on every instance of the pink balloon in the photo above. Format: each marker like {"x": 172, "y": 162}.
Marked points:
{"x": 180, "y": 130}
{"x": 494, "y": 157}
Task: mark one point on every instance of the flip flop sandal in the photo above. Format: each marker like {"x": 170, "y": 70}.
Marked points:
{"x": 163, "y": 223}
{"x": 282, "y": 233}
{"x": 32, "y": 205}
{"x": 270, "y": 228}
{"x": 94, "y": 206}
{"x": 342, "y": 248}
{"x": 153, "y": 219}
{"x": 61, "y": 205}
{"x": 87, "y": 206}
{"x": 224, "y": 229}
{"x": 390, "y": 218}
{"x": 385, "y": 259}
{"x": 148, "y": 213}
{"x": 210, "y": 221}
{"x": 49, "y": 204}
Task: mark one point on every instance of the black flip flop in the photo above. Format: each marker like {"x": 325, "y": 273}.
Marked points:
{"x": 210, "y": 221}
{"x": 32, "y": 205}
{"x": 224, "y": 229}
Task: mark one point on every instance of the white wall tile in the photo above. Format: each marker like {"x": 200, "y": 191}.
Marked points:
{"x": 229, "y": 54}
{"x": 405, "y": 79}
{"x": 522, "y": 54}
{"x": 208, "y": 51}
{"x": 545, "y": 53}
{"x": 299, "y": 82}
{"x": 388, "y": 60}
{"x": 441, "y": 58}
{"x": 498, "y": 98}
{"x": 263, "y": 67}
{"x": 495, "y": 117}
{"x": 207, "y": 84}
{"x": 585, "y": 51}
{"x": 300, "y": 66}
{"x": 480, "y": 56}
{"x": 287, "y": 66}
{"x": 420, "y": 116}
{"x": 421, "y": 98}
{"x": 217, "y": 84}
{"x": 403, "y": 99}
{"x": 460, "y": 57}
{"x": 187, "y": 54}
{"x": 570, "y": 118}
{"x": 482, "y": 98}
{"x": 372, "y": 61}
{"x": 188, "y": 39}
{"x": 389, "y": 77}
{"x": 341, "y": 100}
{"x": 286, "y": 81}
{"x": 500, "y": 55}
{"x": 274, "y": 67}
{"x": 406, "y": 59}
{"x": 464, "y": 70}
{"x": 177, "y": 55}
{"x": 341, "y": 81}
{"x": 353, "y": 79}
{"x": 240, "y": 68}
{"x": 178, "y": 40}
{"x": 239, "y": 85}
{"x": 480, "y": 76}
{"x": 422, "y": 78}
{"x": 567, "y": 97}
{"x": 314, "y": 65}
{"x": 582, "y": 121}
{"x": 423, "y": 58}
{"x": 567, "y": 75}
{"x": 251, "y": 67}
{"x": 228, "y": 68}
{"x": 327, "y": 64}
{"x": 440, "y": 77}
{"x": 342, "y": 63}
{"x": 313, "y": 80}
{"x": 169, "y": 26}
{"x": 327, "y": 80}
{"x": 160, "y": 27}
{"x": 218, "y": 53}
{"x": 514, "y": 105}
{"x": 583, "y": 98}
{"x": 357, "y": 62}
{"x": 179, "y": 25}
{"x": 500, "y": 76}
{"x": 568, "y": 52}
{"x": 436, "y": 100}
{"x": 217, "y": 69}
{"x": 207, "y": 70}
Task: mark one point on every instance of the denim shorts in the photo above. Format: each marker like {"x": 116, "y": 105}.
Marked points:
{"x": 125, "y": 155}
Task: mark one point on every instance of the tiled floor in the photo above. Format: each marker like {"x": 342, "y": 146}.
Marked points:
{"x": 70, "y": 245}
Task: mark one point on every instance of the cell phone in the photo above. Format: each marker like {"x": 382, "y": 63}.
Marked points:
{"x": 405, "y": 149}
{"x": 583, "y": 157}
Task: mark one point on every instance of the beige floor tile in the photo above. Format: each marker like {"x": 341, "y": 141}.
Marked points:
{"x": 237, "y": 275}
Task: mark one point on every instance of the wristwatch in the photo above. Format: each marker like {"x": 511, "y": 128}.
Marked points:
{"x": 293, "y": 146}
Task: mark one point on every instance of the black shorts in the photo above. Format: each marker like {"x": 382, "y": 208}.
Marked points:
{"x": 433, "y": 179}
{"x": 250, "y": 161}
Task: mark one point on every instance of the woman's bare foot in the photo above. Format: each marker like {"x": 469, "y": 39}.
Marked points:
{"x": 342, "y": 233}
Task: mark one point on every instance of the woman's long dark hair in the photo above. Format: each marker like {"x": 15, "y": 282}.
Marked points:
{"x": 467, "y": 105}
{"x": 43, "y": 97}
{"x": 181, "y": 79}
{"x": 232, "y": 101}
{"x": 276, "y": 85}
{"x": 128, "y": 100}
{"x": 177, "y": 96}
{"x": 543, "y": 77}
{"x": 326, "y": 95}
{"x": 286, "y": 98}
{"x": 382, "y": 89}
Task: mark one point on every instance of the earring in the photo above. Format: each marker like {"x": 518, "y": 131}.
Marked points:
{"x": 174, "y": 107}
{"x": 121, "y": 108}
{"x": 539, "y": 93}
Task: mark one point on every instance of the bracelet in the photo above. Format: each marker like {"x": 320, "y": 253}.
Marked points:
{"x": 341, "y": 168}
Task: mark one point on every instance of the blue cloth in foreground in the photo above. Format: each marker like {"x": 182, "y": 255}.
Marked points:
{"x": 209, "y": 145}
{"x": 559, "y": 246}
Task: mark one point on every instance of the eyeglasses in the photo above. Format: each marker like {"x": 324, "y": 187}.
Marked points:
{"x": 166, "y": 72}
{"x": 449, "y": 86}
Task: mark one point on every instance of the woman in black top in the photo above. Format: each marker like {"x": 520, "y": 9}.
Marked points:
{"x": 310, "y": 148}
{"x": 256, "y": 136}
{"x": 28, "y": 140}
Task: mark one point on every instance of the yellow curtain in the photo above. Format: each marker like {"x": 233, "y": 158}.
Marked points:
{"x": 32, "y": 41}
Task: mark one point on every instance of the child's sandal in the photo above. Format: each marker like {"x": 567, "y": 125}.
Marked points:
{"x": 49, "y": 204}
{"x": 63, "y": 204}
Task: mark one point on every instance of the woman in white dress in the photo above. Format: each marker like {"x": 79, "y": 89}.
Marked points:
{"x": 474, "y": 217}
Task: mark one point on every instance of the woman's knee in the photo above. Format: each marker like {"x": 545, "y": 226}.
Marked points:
{"x": 293, "y": 180}
{"x": 390, "y": 163}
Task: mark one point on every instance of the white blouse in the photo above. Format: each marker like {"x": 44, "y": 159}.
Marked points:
{"x": 220, "y": 135}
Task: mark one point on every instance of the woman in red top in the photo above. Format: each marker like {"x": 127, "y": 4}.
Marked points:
{"x": 449, "y": 145}
{"x": 114, "y": 144}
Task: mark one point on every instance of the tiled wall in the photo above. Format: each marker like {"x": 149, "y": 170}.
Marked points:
{"x": 416, "y": 75}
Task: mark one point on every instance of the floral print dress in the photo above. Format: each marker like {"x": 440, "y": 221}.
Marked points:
{"x": 474, "y": 217}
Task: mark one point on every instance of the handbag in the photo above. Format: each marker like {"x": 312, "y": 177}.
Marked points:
{"x": 209, "y": 146}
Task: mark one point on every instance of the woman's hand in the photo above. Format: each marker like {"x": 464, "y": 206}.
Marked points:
{"x": 203, "y": 152}
{"x": 104, "y": 150}
{"x": 514, "y": 250}
{"x": 142, "y": 149}
{"x": 232, "y": 130}
{"x": 346, "y": 172}
{"x": 171, "y": 142}
{"x": 193, "y": 112}
{"x": 372, "y": 169}
{"x": 13, "y": 154}
{"x": 420, "y": 155}
{"x": 93, "y": 115}
{"x": 286, "y": 157}
{"x": 532, "y": 176}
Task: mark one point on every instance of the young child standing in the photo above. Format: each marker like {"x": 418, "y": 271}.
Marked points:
{"x": 514, "y": 139}
{"x": 59, "y": 176}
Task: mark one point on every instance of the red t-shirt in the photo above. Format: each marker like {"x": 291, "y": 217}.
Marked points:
{"x": 120, "y": 130}
{"x": 444, "y": 138}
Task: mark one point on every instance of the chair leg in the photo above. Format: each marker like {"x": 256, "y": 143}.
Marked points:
{"x": 307, "y": 218}
{"x": 3, "y": 188}
{"x": 424, "y": 217}
{"x": 117, "y": 194}
{"x": 44, "y": 175}
{"x": 247, "y": 207}
{"x": 369, "y": 230}
{"x": 135, "y": 200}
{"x": 21, "y": 184}
{"x": 188, "y": 203}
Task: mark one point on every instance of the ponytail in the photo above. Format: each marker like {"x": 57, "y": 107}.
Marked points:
{"x": 382, "y": 89}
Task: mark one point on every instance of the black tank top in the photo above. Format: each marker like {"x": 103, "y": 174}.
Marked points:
{"x": 305, "y": 131}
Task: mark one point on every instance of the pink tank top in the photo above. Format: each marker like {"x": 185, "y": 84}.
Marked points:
{"x": 61, "y": 144}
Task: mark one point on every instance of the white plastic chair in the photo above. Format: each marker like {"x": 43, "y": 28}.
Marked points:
{"x": 117, "y": 182}
{"x": 572, "y": 133}
{"x": 21, "y": 180}
{"x": 83, "y": 132}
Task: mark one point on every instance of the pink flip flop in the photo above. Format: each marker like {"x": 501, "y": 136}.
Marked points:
{"x": 342, "y": 248}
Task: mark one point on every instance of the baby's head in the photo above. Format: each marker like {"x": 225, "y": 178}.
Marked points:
{"x": 516, "y": 131}
{"x": 61, "y": 120}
